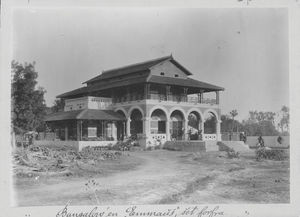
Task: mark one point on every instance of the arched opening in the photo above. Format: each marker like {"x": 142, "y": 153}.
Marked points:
{"x": 177, "y": 125}
{"x": 136, "y": 123}
{"x": 121, "y": 126}
{"x": 210, "y": 126}
{"x": 158, "y": 122}
{"x": 194, "y": 126}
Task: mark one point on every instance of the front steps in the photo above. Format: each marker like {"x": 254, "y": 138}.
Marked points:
{"x": 238, "y": 146}
{"x": 206, "y": 146}
{"x": 211, "y": 145}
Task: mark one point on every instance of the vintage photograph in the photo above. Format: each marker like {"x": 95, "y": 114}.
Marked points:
{"x": 127, "y": 106}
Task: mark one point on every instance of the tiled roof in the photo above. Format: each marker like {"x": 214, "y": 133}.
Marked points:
{"x": 188, "y": 82}
{"x": 105, "y": 85}
{"x": 137, "y": 74}
{"x": 136, "y": 68}
{"x": 86, "y": 114}
{"x": 78, "y": 91}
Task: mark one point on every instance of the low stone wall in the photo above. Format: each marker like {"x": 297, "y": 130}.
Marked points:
{"x": 189, "y": 146}
{"x": 270, "y": 141}
{"x": 238, "y": 146}
{"x": 74, "y": 145}
{"x": 83, "y": 144}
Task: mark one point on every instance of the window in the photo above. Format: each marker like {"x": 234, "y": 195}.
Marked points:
{"x": 176, "y": 75}
{"x": 162, "y": 73}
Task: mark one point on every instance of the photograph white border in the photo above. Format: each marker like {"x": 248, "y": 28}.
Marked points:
{"x": 291, "y": 209}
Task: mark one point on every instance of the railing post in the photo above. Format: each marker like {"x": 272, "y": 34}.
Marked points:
{"x": 200, "y": 96}
{"x": 127, "y": 94}
{"x": 168, "y": 88}
{"x": 185, "y": 91}
{"x": 217, "y": 97}
{"x": 147, "y": 91}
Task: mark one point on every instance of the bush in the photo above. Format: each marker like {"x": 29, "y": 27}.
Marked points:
{"x": 124, "y": 145}
{"x": 270, "y": 154}
{"x": 96, "y": 154}
{"x": 231, "y": 153}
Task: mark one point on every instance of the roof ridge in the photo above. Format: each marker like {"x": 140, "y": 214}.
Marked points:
{"x": 139, "y": 63}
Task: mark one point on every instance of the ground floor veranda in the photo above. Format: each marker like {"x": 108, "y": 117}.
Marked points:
{"x": 157, "y": 128}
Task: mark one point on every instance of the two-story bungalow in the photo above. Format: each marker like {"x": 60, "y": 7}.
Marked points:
{"x": 155, "y": 100}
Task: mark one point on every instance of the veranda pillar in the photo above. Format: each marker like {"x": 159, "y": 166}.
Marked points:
{"x": 201, "y": 128}
{"x": 168, "y": 129}
{"x": 114, "y": 130}
{"x": 146, "y": 126}
{"x": 78, "y": 130}
{"x": 186, "y": 133}
{"x": 128, "y": 127}
{"x": 66, "y": 133}
{"x": 219, "y": 138}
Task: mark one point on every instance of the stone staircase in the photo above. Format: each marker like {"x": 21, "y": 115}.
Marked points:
{"x": 238, "y": 146}
{"x": 211, "y": 145}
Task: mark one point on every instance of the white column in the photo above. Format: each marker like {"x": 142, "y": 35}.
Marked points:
{"x": 219, "y": 137}
{"x": 146, "y": 126}
{"x": 168, "y": 130}
{"x": 128, "y": 127}
{"x": 124, "y": 129}
{"x": 114, "y": 131}
{"x": 201, "y": 127}
{"x": 186, "y": 130}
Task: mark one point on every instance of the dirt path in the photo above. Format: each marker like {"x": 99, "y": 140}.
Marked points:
{"x": 168, "y": 177}
{"x": 159, "y": 175}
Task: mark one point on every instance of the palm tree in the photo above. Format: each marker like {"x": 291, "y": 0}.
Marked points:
{"x": 233, "y": 113}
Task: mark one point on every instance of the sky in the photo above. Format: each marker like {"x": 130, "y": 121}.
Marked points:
{"x": 243, "y": 50}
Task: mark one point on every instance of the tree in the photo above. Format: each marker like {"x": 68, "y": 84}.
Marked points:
{"x": 28, "y": 104}
{"x": 284, "y": 121}
{"x": 260, "y": 123}
{"x": 227, "y": 123}
{"x": 58, "y": 105}
{"x": 233, "y": 113}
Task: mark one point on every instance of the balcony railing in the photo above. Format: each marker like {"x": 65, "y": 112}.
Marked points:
{"x": 204, "y": 101}
{"x": 163, "y": 97}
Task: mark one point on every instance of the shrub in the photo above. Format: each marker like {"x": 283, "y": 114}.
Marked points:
{"x": 98, "y": 154}
{"x": 270, "y": 154}
{"x": 231, "y": 153}
{"x": 124, "y": 145}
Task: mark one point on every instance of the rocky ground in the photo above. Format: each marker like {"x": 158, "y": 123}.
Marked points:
{"x": 47, "y": 177}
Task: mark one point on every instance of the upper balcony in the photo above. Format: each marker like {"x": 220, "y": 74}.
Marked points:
{"x": 192, "y": 99}
{"x": 151, "y": 93}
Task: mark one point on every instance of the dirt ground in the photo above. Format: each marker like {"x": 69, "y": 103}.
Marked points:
{"x": 162, "y": 177}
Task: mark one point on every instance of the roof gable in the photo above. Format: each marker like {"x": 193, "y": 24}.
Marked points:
{"x": 138, "y": 67}
{"x": 168, "y": 69}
